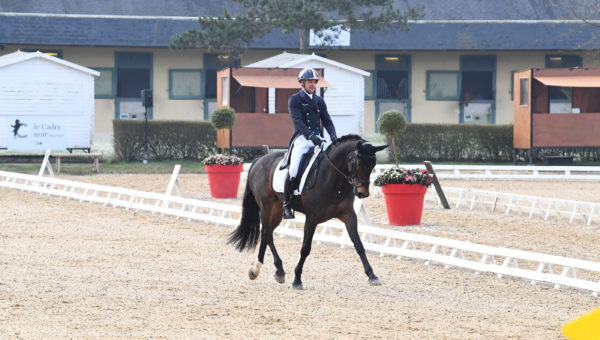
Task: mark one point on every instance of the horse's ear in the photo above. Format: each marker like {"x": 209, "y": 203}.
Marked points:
{"x": 381, "y": 147}
{"x": 360, "y": 146}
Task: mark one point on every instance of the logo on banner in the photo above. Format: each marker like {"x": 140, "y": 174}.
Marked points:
{"x": 16, "y": 128}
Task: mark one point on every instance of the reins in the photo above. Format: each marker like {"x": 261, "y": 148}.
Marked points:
{"x": 349, "y": 177}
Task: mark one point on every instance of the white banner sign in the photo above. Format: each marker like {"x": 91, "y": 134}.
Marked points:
{"x": 36, "y": 133}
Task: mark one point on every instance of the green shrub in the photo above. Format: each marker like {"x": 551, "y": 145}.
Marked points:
{"x": 168, "y": 140}
{"x": 444, "y": 142}
{"x": 392, "y": 124}
{"x": 473, "y": 143}
{"x": 248, "y": 154}
{"x": 223, "y": 118}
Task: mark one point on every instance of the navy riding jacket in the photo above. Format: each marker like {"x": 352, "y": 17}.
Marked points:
{"x": 307, "y": 115}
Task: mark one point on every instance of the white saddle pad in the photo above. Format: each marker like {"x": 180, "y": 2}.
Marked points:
{"x": 280, "y": 175}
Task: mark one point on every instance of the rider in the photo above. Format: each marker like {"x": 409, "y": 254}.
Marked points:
{"x": 307, "y": 110}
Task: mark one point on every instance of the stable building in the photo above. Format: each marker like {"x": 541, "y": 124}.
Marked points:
{"x": 455, "y": 66}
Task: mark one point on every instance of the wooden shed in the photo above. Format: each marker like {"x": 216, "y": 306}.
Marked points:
{"x": 45, "y": 102}
{"x": 260, "y": 98}
{"x": 556, "y": 108}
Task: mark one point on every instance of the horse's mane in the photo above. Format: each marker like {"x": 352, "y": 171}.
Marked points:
{"x": 350, "y": 137}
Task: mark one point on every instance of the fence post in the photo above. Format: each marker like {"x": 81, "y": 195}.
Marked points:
{"x": 437, "y": 185}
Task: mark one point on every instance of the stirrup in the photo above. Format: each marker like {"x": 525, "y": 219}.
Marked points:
{"x": 288, "y": 214}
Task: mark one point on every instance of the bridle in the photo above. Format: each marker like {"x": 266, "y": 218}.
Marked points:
{"x": 353, "y": 158}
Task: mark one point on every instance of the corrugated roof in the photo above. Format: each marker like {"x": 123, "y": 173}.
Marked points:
{"x": 447, "y": 25}
{"x": 18, "y": 57}
{"x": 434, "y": 9}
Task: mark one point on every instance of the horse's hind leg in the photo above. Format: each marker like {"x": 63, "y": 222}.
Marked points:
{"x": 275, "y": 217}
{"x": 269, "y": 222}
{"x": 255, "y": 268}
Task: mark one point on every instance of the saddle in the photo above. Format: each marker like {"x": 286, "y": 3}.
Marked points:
{"x": 308, "y": 163}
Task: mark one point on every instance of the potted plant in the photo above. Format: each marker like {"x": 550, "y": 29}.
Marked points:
{"x": 223, "y": 119}
{"x": 404, "y": 193}
{"x": 403, "y": 189}
{"x": 223, "y": 175}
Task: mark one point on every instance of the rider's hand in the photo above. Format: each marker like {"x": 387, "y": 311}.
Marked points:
{"x": 316, "y": 140}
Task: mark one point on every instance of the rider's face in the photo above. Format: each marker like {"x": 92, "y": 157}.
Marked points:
{"x": 310, "y": 85}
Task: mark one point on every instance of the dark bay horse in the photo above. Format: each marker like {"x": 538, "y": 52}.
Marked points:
{"x": 341, "y": 175}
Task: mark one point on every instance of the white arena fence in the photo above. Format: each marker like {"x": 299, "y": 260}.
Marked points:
{"x": 536, "y": 267}
{"x": 498, "y": 171}
{"x": 532, "y": 207}
{"x": 506, "y": 172}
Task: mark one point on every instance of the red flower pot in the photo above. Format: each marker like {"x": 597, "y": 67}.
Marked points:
{"x": 404, "y": 203}
{"x": 224, "y": 180}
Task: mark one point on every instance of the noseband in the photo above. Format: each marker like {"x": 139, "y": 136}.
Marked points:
{"x": 353, "y": 158}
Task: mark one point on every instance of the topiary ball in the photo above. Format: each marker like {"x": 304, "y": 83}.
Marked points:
{"x": 223, "y": 118}
{"x": 391, "y": 123}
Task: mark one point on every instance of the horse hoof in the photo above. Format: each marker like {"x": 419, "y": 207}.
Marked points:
{"x": 280, "y": 279}
{"x": 297, "y": 285}
{"x": 252, "y": 275}
{"x": 374, "y": 282}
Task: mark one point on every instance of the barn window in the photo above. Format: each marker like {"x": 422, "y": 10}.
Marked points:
{"x": 185, "y": 84}
{"x": 442, "y": 85}
{"x": 134, "y": 71}
{"x": 524, "y": 93}
{"x": 561, "y": 97}
{"x": 392, "y": 76}
{"x": 214, "y": 62}
{"x": 224, "y": 91}
{"x": 563, "y": 60}
{"x": 104, "y": 84}
{"x": 369, "y": 85}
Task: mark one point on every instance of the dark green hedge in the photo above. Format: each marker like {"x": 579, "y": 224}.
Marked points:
{"x": 170, "y": 139}
{"x": 474, "y": 143}
{"x": 578, "y": 154}
{"x": 439, "y": 142}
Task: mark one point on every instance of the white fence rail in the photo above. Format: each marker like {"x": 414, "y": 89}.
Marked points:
{"x": 533, "y": 207}
{"x": 507, "y": 172}
{"x": 499, "y": 171}
{"x": 536, "y": 267}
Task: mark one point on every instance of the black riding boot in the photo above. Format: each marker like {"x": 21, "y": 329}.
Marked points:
{"x": 288, "y": 191}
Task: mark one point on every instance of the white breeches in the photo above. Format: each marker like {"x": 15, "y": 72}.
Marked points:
{"x": 301, "y": 146}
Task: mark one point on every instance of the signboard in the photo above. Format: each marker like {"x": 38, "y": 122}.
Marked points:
{"x": 35, "y": 132}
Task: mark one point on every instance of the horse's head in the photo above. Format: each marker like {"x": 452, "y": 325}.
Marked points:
{"x": 360, "y": 167}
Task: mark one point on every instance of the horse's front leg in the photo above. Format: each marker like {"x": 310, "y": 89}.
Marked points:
{"x": 352, "y": 227}
{"x": 309, "y": 232}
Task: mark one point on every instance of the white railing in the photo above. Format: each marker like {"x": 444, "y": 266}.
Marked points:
{"x": 536, "y": 267}
{"x": 507, "y": 172}
{"x": 499, "y": 171}
{"x": 533, "y": 207}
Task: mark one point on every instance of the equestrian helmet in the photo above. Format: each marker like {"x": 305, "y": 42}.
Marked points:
{"x": 308, "y": 73}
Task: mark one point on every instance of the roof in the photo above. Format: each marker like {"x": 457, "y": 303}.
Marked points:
{"x": 18, "y": 57}
{"x": 447, "y": 25}
{"x": 434, "y": 9}
{"x": 280, "y": 78}
{"x": 568, "y": 77}
{"x": 285, "y": 60}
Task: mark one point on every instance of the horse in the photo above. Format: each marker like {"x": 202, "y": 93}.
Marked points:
{"x": 341, "y": 174}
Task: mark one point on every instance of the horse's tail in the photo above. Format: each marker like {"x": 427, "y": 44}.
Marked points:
{"x": 245, "y": 236}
